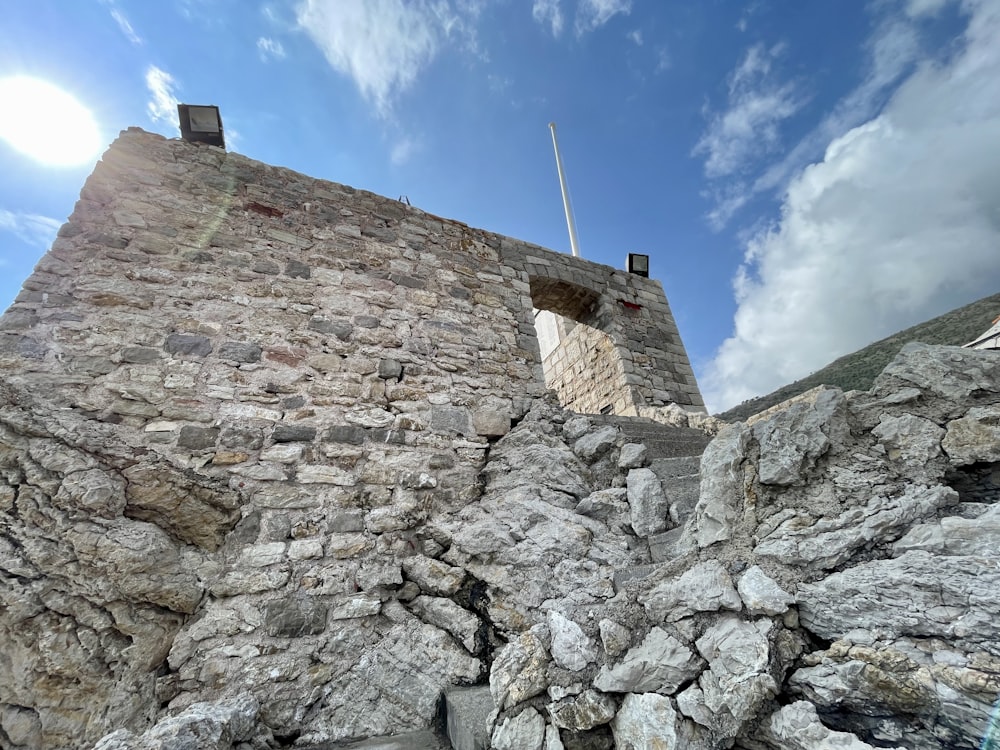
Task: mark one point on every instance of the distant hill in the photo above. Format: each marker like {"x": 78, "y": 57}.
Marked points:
{"x": 857, "y": 371}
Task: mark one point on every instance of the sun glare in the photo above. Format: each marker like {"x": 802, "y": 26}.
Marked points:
{"x": 47, "y": 124}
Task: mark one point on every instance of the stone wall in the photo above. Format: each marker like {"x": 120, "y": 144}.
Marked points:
{"x": 231, "y": 396}
{"x": 585, "y": 373}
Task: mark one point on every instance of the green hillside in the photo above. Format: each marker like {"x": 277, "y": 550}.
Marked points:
{"x": 857, "y": 371}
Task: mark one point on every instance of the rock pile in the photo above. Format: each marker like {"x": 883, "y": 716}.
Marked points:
{"x": 836, "y": 585}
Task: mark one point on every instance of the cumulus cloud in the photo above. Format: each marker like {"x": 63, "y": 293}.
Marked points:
{"x": 162, "y": 105}
{"x": 384, "y": 45}
{"x": 270, "y": 49}
{"x": 748, "y": 127}
{"x": 592, "y": 14}
{"x": 33, "y": 229}
{"x": 899, "y": 222}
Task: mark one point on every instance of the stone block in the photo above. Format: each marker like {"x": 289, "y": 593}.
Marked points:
{"x": 292, "y": 433}
{"x": 197, "y": 438}
{"x": 239, "y": 351}
{"x": 292, "y": 619}
{"x": 188, "y": 344}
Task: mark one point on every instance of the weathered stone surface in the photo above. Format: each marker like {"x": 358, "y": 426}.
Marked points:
{"x": 165, "y": 540}
{"x": 570, "y": 647}
{"x": 794, "y": 439}
{"x": 798, "y": 727}
{"x": 720, "y": 500}
{"x": 974, "y": 437}
{"x": 761, "y": 594}
{"x": 661, "y": 663}
{"x": 614, "y": 637}
{"x": 447, "y": 615}
{"x": 526, "y": 731}
{"x": 706, "y": 587}
{"x": 519, "y": 670}
{"x": 632, "y": 456}
{"x": 187, "y": 344}
{"x": 595, "y": 444}
{"x": 433, "y": 576}
{"x": 915, "y": 594}
{"x": 646, "y": 720}
{"x": 218, "y": 726}
{"x": 649, "y": 508}
{"x": 584, "y": 711}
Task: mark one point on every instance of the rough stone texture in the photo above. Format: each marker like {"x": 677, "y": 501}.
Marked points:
{"x": 646, "y": 720}
{"x": 216, "y": 486}
{"x": 648, "y": 505}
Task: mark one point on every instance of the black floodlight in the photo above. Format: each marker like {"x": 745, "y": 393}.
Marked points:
{"x": 201, "y": 124}
{"x": 638, "y": 264}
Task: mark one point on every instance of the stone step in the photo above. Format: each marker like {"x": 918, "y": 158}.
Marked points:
{"x": 633, "y": 573}
{"x": 681, "y": 466}
{"x": 467, "y": 717}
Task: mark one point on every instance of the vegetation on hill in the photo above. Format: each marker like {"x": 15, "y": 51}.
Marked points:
{"x": 857, "y": 371}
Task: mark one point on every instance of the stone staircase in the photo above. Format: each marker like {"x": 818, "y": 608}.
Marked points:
{"x": 674, "y": 455}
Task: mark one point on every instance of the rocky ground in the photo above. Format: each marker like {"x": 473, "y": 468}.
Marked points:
{"x": 835, "y": 585}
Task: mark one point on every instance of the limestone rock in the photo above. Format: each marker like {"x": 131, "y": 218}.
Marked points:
{"x": 213, "y": 726}
{"x": 447, "y": 615}
{"x": 792, "y": 440}
{"x": 660, "y": 664}
{"x": 706, "y": 587}
{"x": 571, "y": 648}
{"x": 584, "y": 711}
{"x": 595, "y": 444}
{"x": 761, "y": 594}
{"x": 519, "y": 670}
{"x": 649, "y": 508}
{"x": 433, "y": 576}
{"x": 646, "y": 720}
{"x": 797, "y": 727}
{"x": 738, "y": 681}
{"x": 614, "y": 637}
{"x": 914, "y": 594}
{"x": 974, "y": 437}
{"x": 526, "y": 731}
{"x": 720, "y": 499}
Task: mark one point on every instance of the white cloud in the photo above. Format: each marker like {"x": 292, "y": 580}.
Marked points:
{"x": 162, "y": 105}
{"x": 636, "y": 37}
{"x": 33, "y": 229}
{"x": 270, "y": 49}
{"x": 749, "y": 126}
{"x": 592, "y": 14}
{"x": 403, "y": 150}
{"x": 899, "y": 222}
{"x": 384, "y": 45}
{"x": 548, "y": 12}
{"x": 663, "y": 61}
{"x": 125, "y": 26}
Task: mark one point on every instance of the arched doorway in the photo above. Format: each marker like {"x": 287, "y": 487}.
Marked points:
{"x": 580, "y": 359}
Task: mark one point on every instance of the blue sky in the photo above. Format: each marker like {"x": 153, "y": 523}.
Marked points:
{"x": 807, "y": 177}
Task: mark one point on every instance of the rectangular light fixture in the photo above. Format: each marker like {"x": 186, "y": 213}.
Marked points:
{"x": 201, "y": 123}
{"x": 638, "y": 264}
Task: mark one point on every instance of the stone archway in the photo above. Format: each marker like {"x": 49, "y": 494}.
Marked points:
{"x": 580, "y": 359}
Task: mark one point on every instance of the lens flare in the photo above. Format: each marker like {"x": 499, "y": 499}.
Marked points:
{"x": 47, "y": 124}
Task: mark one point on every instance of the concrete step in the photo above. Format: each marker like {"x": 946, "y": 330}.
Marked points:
{"x": 467, "y": 717}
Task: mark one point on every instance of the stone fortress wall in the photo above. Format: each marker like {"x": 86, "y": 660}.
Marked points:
{"x": 216, "y": 265}
{"x": 234, "y": 390}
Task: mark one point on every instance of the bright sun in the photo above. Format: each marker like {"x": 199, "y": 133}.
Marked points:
{"x": 47, "y": 124}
